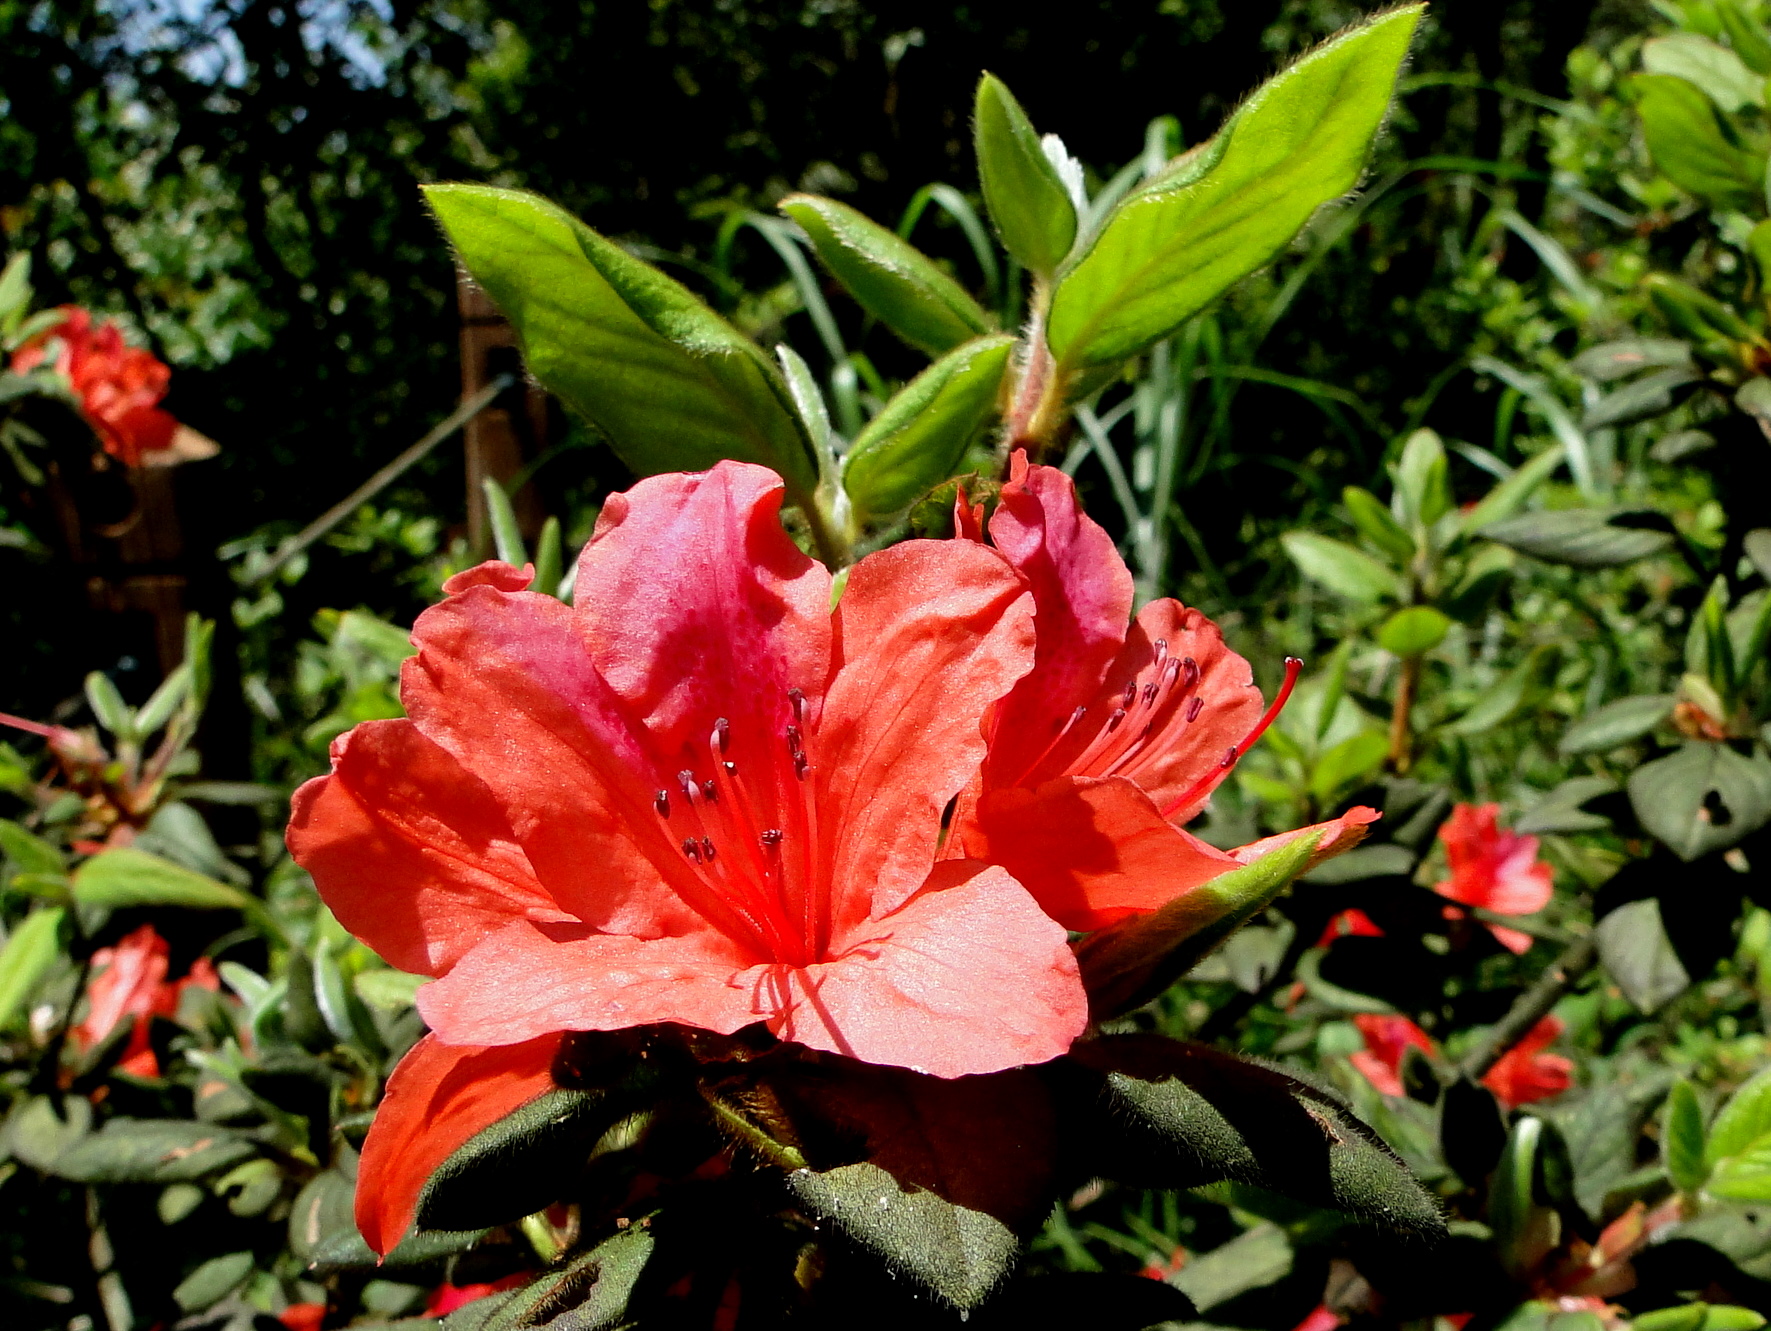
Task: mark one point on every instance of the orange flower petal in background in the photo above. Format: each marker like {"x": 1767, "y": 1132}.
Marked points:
{"x": 1525, "y": 1074}
{"x": 1387, "y": 1040}
{"x": 1494, "y": 869}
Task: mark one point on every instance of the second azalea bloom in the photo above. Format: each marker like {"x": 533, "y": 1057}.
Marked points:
{"x": 1119, "y": 734}
{"x": 118, "y": 386}
{"x": 701, "y": 797}
{"x": 130, "y": 984}
{"x": 1495, "y": 869}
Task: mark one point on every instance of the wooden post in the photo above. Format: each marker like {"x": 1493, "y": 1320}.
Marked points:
{"x": 511, "y": 432}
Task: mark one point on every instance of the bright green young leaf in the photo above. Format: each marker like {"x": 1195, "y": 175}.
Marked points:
{"x": 1681, "y": 1138}
{"x": 26, "y": 852}
{"x": 1692, "y": 146}
{"x": 1713, "y": 67}
{"x": 158, "y": 709}
{"x": 1421, "y": 479}
{"x": 507, "y": 538}
{"x": 893, "y": 280}
{"x": 1027, "y": 199}
{"x": 15, "y": 290}
{"x": 1746, "y": 34}
{"x": 130, "y": 877}
{"x": 1699, "y": 1317}
{"x": 1413, "y": 631}
{"x": 1703, "y": 798}
{"x": 1171, "y": 248}
{"x": 1372, "y": 517}
{"x": 29, "y": 954}
{"x": 108, "y": 706}
{"x": 549, "y": 558}
{"x": 672, "y": 385}
{"x": 1617, "y": 723}
{"x": 1511, "y": 495}
{"x": 917, "y": 441}
{"x": 1741, "y": 1123}
{"x": 1347, "y": 763}
{"x": 1341, "y": 568}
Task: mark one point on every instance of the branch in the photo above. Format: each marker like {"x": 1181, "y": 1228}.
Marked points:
{"x": 1532, "y": 1006}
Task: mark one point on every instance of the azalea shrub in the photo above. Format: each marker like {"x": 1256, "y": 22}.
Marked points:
{"x": 861, "y": 889}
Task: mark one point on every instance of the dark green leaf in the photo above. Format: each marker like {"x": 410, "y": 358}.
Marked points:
{"x": 1638, "y": 955}
{"x": 345, "y": 1251}
{"x": 1560, "y": 810}
{"x": 591, "y": 1294}
{"x": 322, "y": 1216}
{"x": 1617, "y": 723}
{"x": 130, "y": 877}
{"x": 673, "y": 386}
{"x": 920, "y": 438}
{"x": 1681, "y": 1138}
{"x": 1583, "y": 537}
{"x": 1512, "y": 494}
{"x": 1648, "y": 396}
{"x": 1703, "y": 798}
{"x": 1299, "y": 142}
{"x": 1341, "y": 568}
{"x": 1362, "y": 863}
{"x": 893, "y": 280}
{"x": 1692, "y": 146}
{"x": 38, "y": 1130}
{"x": 523, "y": 1162}
{"x": 1516, "y": 690}
{"x": 152, "y": 1150}
{"x": 1028, "y": 202}
{"x": 939, "y": 1179}
{"x": 1171, "y": 1115}
{"x": 213, "y": 1281}
{"x": 1618, "y": 360}
{"x": 31, "y": 950}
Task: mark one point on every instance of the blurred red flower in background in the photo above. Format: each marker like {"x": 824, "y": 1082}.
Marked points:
{"x": 119, "y": 387}
{"x": 130, "y": 982}
{"x": 1387, "y": 1040}
{"x": 1350, "y": 923}
{"x": 1524, "y": 1073}
{"x": 1494, "y": 869}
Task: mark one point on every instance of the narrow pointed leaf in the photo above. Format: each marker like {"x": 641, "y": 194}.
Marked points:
{"x": 920, "y": 438}
{"x": 672, "y": 385}
{"x": 1681, "y": 1138}
{"x": 1617, "y": 723}
{"x": 130, "y": 877}
{"x": 1028, "y": 204}
{"x": 30, "y": 952}
{"x": 1299, "y": 142}
{"x": 893, "y": 280}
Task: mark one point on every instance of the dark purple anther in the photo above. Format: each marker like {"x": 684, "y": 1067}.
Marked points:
{"x": 709, "y": 792}
{"x": 798, "y": 702}
{"x": 771, "y": 837}
{"x": 692, "y": 848}
{"x": 722, "y": 734}
{"x": 661, "y": 802}
{"x": 794, "y": 744}
{"x": 1195, "y": 706}
{"x": 801, "y": 766}
{"x": 1114, "y": 720}
{"x": 707, "y": 848}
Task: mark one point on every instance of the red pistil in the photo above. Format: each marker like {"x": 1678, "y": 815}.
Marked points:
{"x": 1293, "y": 668}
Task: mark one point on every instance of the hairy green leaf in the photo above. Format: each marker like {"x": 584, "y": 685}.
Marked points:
{"x": 918, "y": 440}
{"x": 893, "y": 280}
{"x": 1028, "y": 202}
{"x": 1299, "y": 142}
{"x": 672, "y": 385}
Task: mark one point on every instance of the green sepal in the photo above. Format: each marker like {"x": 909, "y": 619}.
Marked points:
{"x": 920, "y": 438}
{"x": 672, "y": 385}
{"x": 1165, "y": 1114}
{"x": 1299, "y": 142}
{"x": 891, "y": 279}
{"x": 1028, "y": 202}
{"x": 1127, "y": 964}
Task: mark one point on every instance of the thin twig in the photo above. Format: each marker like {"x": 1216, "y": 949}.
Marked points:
{"x": 383, "y": 478}
{"x": 1532, "y": 1005}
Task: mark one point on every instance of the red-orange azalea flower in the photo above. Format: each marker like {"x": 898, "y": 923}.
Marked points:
{"x": 699, "y": 797}
{"x": 1349, "y": 923}
{"x": 1119, "y": 734}
{"x": 1387, "y": 1041}
{"x": 119, "y": 387}
{"x": 1525, "y": 1073}
{"x": 1495, "y": 869}
{"x": 129, "y": 982}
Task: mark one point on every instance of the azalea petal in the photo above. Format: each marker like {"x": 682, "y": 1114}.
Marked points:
{"x": 1082, "y": 594}
{"x": 1516, "y": 941}
{"x": 411, "y": 851}
{"x": 528, "y": 979}
{"x": 695, "y": 605}
{"x": 929, "y": 635}
{"x": 438, "y": 1097}
{"x": 1092, "y": 850}
{"x": 968, "y": 976}
{"x": 502, "y": 681}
